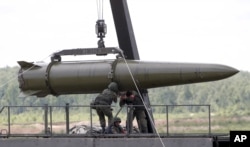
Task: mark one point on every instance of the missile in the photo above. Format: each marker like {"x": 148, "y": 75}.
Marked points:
{"x": 83, "y": 77}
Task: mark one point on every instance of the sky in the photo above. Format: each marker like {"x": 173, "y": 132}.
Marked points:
{"x": 193, "y": 31}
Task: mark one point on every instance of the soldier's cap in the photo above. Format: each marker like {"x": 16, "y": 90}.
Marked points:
{"x": 113, "y": 87}
{"x": 128, "y": 93}
{"x": 117, "y": 119}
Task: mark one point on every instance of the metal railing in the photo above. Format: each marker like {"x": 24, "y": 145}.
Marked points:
{"x": 208, "y": 114}
{"x": 168, "y": 118}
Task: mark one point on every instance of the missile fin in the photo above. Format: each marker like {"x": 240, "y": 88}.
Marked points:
{"x": 27, "y": 93}
{"x": 25, "y": 64}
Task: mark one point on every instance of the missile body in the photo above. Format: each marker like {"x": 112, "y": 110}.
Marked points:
{"x": 82, "y": 77}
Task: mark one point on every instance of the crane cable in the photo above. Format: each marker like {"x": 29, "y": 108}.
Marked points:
{"x": 99, "y": 9}
{"x": 150, "y": 118}
{"x": 100, "y": 27}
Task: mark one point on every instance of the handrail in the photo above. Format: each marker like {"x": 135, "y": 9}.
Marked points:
{"x": 48, "y": 119}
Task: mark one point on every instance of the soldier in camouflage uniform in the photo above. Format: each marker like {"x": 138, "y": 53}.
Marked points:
{"x": 116, "y": 128}
{"x": 132, "y": 98}
{"x": 105, "y": 99}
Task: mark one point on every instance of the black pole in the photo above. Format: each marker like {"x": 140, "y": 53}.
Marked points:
{"x": 124, "y": 29}
{"x": 67, "y": 117}
{"x": 148, "y": 112}
{"x": 46, "y": 118}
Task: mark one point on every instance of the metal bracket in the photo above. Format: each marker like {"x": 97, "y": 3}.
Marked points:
{"x": 85, "y": 51}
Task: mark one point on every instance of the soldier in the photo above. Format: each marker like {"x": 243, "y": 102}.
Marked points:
{"x": 116, "y": 128}
{"x": 137, "y": 110}
{"x": 105, "y": 99}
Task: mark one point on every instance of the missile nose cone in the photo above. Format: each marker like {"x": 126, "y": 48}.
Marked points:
{"x": 226, "y": 71}
{"x": 214, "y": 72}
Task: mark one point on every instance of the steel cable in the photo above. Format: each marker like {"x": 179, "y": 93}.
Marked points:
{"x": 132, "y": 77}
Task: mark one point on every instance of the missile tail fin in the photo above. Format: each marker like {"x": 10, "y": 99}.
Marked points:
{"x": 25, "y": 64}
{"x": 24, "y": 94}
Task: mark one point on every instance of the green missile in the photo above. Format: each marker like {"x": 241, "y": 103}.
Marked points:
{"x": 82, "y": 77}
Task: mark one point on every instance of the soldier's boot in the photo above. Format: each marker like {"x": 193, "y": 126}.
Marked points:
{"x": 103, "y": 129}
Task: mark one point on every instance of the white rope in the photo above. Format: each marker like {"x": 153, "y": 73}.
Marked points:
{"x": 151, "y": 119}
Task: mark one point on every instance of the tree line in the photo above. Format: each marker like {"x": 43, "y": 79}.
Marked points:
{"x": 231, "y": 95}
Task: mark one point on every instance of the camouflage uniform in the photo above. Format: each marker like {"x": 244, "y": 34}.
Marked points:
{"x": 132, "y": 98}
{"x": 116, "y": 128}
{"x": 106, "y": 98}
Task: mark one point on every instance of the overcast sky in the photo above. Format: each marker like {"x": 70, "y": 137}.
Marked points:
{"x": 202, "y": 31}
